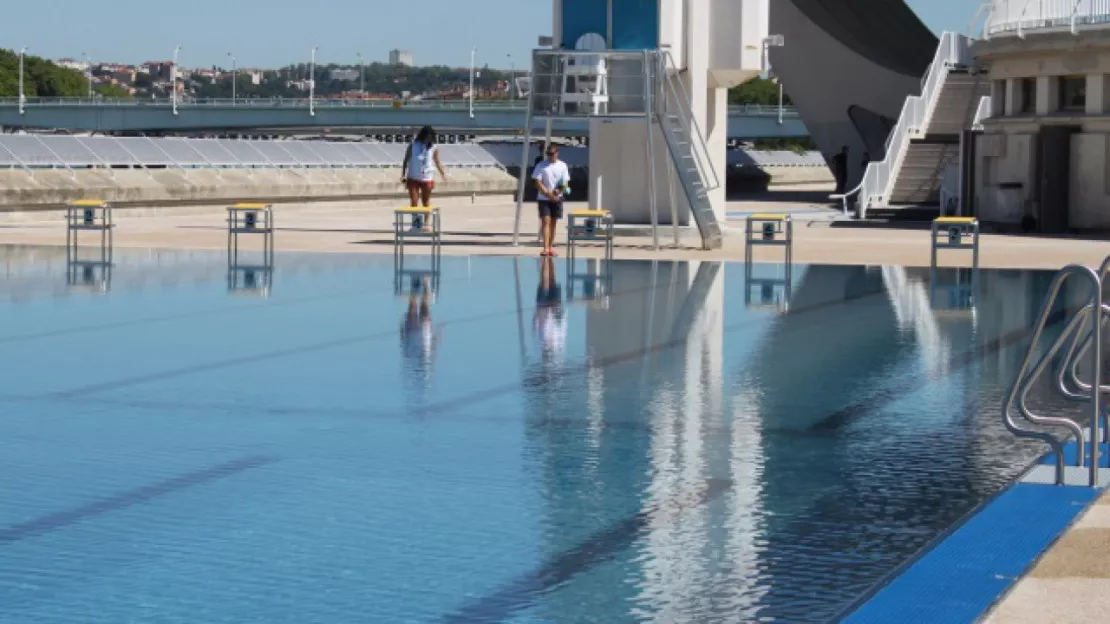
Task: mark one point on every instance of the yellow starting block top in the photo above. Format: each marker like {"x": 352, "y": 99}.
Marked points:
{"x": 589, "y": 213}
{"x": 250, "y": 206}
{"x": 768, "y": 216}
{"x": 955, "y": 220}
{"x": 414, "y": 210}
{"x": 88, "y": 203}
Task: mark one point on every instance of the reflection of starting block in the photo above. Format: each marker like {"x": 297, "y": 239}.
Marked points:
{"x": 597, "y": 282}
{"x": 956, "y": 297}
{"x": 250, "y": 279}
{"x": 92, "y": 275}
{"x": 415, "y": 282}
{"x": 774, "y": 292}
{"x": 956, "y": 233}
{"x": 250, "y": 219}
{"x": 89, "y": 215}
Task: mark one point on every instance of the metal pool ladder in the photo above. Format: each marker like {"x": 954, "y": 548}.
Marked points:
{"x": 1081, "y": 335}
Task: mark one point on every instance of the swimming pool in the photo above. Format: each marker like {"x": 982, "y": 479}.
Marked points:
{"x": 663, "y": 441}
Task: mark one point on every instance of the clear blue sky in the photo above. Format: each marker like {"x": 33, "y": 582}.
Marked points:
{"x": 270, "y": 33}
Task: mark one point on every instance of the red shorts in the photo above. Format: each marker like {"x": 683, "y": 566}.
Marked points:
{"x": 420, "y": 185}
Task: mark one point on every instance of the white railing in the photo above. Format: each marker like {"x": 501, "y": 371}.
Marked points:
{"x": 954, "y": 50}
{"x": 1016, "y": 17}
{"x": 981, "y": 113}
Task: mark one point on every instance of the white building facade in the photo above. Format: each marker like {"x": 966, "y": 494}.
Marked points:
{"x": 1041, "y": 161}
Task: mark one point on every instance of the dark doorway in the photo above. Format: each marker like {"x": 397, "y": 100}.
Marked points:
{"x": 1053, "y": 177}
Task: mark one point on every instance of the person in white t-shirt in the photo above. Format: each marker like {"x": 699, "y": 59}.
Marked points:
{"x": 419, "y": 171}
{"x": 552, "y": 179}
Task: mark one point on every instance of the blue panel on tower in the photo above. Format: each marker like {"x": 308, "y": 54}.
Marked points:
{"x": 584, "y": 16}
{"x": 635, "y": 24}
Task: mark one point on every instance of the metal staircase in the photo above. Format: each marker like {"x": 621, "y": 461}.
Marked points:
{"x": 926, "y": 139}
{"x": 688, "y": 150}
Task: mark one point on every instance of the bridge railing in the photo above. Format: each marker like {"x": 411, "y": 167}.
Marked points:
{"x": 743, "y": 110}
{"x": 1016, "y": 17}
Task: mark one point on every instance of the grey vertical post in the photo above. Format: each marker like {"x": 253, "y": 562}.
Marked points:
{"x": 648, "y": 109}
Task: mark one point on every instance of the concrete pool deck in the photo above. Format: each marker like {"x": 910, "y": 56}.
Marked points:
{"x": 486, "y": 228}
{"x": 1070, "y": 583}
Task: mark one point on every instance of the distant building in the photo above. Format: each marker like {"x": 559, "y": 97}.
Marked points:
{"x": 344, "y": 74}
{"x": 400, "y": 57}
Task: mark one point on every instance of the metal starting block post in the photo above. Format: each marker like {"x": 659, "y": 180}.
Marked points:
{"x": 956, "y": 233}
{"x": 769, "y": 229}
{"x": 250, "y": 219}
{"x": 89, "y": 215}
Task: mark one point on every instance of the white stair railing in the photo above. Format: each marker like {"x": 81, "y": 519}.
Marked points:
{"x": 981, "y": 113}
{"x": 879, "y": 178}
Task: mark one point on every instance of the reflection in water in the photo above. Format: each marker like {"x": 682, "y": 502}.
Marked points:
{"x": 674, "y": 456}
{"x": 849, "y": 431}
{"x": 419, "y": 337}
{"x": 93, "y": 275}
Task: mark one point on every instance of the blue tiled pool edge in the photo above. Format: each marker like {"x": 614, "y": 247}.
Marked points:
{"x": 962, "y": 573}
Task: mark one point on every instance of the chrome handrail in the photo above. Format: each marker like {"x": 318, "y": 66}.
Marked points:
{"x": 1025, "y": 378}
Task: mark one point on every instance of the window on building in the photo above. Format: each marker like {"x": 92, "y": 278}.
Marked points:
{"x": 1028, "y": 91}
{"x": 1073, "y": 93}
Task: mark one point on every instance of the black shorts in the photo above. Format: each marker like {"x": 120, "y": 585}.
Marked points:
{"x": 551, "y": 209}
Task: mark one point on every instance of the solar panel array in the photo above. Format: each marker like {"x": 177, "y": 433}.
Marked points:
{"x": 72, "y": 152}
{"x": 31, "y": 151}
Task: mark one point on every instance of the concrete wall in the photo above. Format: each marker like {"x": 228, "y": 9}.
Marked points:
{"x": 20, "y": 189}
{"x": 1007, "y": 151}
{"x": 827, "y": 70}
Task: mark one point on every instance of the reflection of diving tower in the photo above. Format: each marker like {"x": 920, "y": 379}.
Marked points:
{"x": 652, "y": 77}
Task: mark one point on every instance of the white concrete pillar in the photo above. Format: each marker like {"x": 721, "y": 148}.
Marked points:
{"x": 1012, "y": 98}
{"x": 1098, "y": 94}
{"x": 1048, "y": 100}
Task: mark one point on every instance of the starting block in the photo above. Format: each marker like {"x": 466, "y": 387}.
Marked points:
{"x": 404, "y": 226}
{"x": 956, "y": 233}
{"x": 769, "y": 229}
{"x": 250, "y": 218}
{"x": 601, "y": 229}
{"x": 89, "y": 215}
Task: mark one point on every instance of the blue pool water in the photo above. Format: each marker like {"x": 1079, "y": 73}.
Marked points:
{"x": 507, "y": 450}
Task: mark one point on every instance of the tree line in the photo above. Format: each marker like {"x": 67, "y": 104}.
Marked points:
{"x": 44, "y": 78}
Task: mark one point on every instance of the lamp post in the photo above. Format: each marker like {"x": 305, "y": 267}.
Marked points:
{"x": 512, "y": 77}
{"x": 22, "y": 97}
{"x": 312, "y": 84}
{"x": 473, "y": 51}
{"x": 234, "y": 76}
{"x": 361, "y": 75}
{"x": 173, "y": 78}
{"x": 88, "y": 73}
{"x": 773, "y": 41}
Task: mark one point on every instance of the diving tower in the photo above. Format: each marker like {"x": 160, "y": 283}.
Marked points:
{"x": 652, "y": 78}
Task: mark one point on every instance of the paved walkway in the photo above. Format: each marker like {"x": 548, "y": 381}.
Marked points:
{"x": 487, "y": 229}
{"x": 1070, "y": 584}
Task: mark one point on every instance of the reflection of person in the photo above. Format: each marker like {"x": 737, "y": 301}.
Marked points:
{"x": 419, "y": 171}
{"x": 552, "y": 179}
{"x": 550, "y": 321}
{"x": 418, "y": 337}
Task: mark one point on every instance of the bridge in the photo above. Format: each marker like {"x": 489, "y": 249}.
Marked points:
{"x": 506, "y": 117}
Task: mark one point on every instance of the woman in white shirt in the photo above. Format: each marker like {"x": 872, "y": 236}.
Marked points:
{"x": 419, "y": 170}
